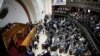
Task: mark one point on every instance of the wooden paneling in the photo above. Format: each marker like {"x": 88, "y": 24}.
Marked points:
{"x": 19, "y": 32}
{"x": 10, "y": 33}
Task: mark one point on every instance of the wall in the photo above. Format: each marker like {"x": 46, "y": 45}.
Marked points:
{"x": 35, "y": 9}
{"x": 38, "y": 6}
{"x": 41, "y": 9}
{"x": 16, "y": 13}
{"x": 47, "y": 4}
{"x": 31, "y": 10}
{"x": 1, "y": 2}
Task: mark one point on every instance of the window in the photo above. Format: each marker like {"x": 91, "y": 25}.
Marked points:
{"x": 59, "y": 2}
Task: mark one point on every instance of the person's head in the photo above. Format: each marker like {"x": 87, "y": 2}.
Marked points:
{"x": 30, "y": 47}
{"x": 30, "y": 50}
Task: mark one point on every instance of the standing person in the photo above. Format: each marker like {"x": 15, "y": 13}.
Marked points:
{"x": 44, "y": 26}
{"x": 45, "y": 53}
{"x": 37, "y": 38}
{"x": 29, "y": 53}
{"x": 72, "y": 44}
{"x": 55, "y": 54}
{"x": 35, "y": 44}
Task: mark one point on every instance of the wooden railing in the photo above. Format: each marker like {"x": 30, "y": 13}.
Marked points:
{"x": 29, "y": 38}
{"x": 90, "y": 5}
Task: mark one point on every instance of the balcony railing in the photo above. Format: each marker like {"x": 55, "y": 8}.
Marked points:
{"x": 90, "y": 5}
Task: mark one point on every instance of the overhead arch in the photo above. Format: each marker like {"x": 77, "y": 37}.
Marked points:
{"x": 28, "y": 7}
{"x": 23, "y": 5}
{"x": 33, "y": 9}
{"x": 16, "y": 13}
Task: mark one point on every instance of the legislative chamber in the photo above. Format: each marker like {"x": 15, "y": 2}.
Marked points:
{"x": 49, "y": 28}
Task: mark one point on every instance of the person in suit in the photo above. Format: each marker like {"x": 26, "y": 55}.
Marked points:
{"x": 35, "y": 44}
{"x": 47, "y": 53}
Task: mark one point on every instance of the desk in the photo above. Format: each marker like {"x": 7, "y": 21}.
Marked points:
{"x": 10, "y": 33}
{"x": 29, "y": 37}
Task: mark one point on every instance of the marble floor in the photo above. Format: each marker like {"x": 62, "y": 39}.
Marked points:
{"x": 42, "y": 39}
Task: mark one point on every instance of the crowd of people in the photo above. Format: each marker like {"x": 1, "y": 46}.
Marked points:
{"x": 63, "y": 35}
{"x": 91, "y": 20}
{"x": 94, "y": 24}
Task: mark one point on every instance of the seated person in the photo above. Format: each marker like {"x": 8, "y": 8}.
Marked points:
{"x": 47, "y": 43}
{"x": 63, "y": 47}
{"x": 55, "y": 43}
{"x": 29, "y": 52}
{"x": 53, "y": 47}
